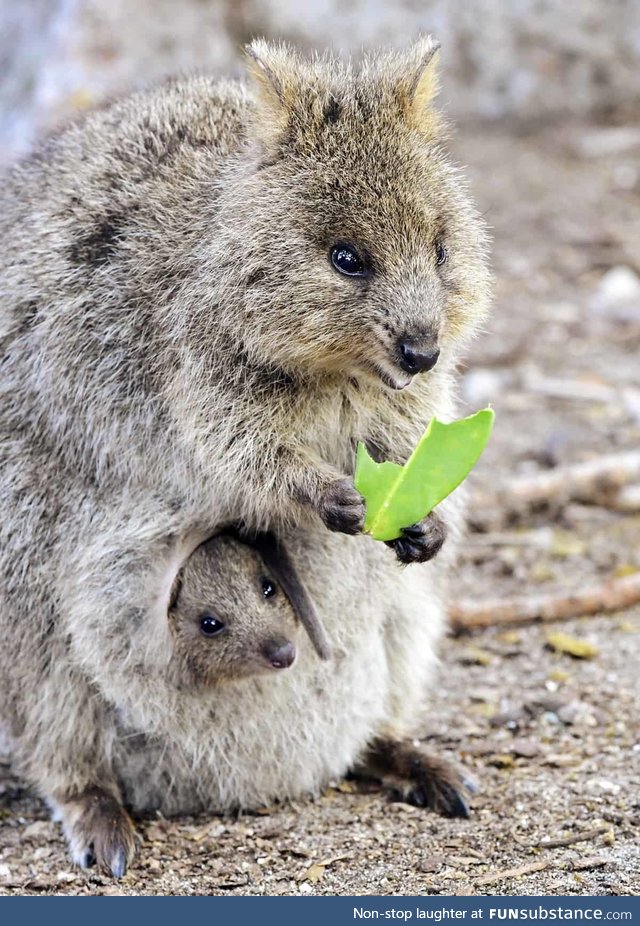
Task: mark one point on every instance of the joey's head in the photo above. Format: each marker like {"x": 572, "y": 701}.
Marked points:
{"x": 360, "y": 251}
{"x": 229, "y": 618}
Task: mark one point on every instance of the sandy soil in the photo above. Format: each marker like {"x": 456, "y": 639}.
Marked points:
{"x": 553, "y": 741}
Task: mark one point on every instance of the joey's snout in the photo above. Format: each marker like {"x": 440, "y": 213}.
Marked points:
{"x": 417, "y": 355}
{"x": 278, "y": 653}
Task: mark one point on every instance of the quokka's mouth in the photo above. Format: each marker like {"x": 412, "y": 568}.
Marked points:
{"x": 380, "y": 370}
{"x": 393, "y": 379}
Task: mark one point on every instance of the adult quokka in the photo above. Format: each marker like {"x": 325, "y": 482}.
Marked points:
{"x": 208, "y": 293}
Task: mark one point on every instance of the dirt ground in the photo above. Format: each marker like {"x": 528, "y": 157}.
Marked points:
{"x": 553, "y": 741}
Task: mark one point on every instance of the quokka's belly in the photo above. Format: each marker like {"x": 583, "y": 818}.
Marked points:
{"x": 250, "y": 743}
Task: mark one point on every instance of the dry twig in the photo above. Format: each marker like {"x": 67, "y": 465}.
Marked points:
{"x": 588, "y": 482}
{"x": 511, "y": 873}
{"x": 612, "y": 595}
{"x": 625, "y": 499}
{"x": 562, "y": 841}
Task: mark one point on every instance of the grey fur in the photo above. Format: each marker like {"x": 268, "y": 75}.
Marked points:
{"x": 224, "y": 579}
{"x": 177, "y": 354}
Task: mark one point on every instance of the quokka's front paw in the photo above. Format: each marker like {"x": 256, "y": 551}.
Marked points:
{"x": 420, "y": 542}
{"x": 342, "y": 507}
{"x": 99, "y": 831}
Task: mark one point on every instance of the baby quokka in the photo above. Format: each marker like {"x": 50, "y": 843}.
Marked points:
{"x": 235, "y": 612}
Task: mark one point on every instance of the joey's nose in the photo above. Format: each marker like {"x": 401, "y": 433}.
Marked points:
{"x": 280, "y": 654}
{"x": 415, "y": 358}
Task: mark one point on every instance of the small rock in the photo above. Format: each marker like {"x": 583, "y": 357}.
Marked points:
{"x": 478, "y": 749}
{"x": 618, "y": 288}
{"x": 480, "y": 386}
{"x": 575, "y": 712}
{"x": 41, "y": 852}
{"x": 430, "y": 865}
{"x": 509, "y": 718}
{"x": 610, "y": 787}
{"x": 524, "y": 748}
{"x": 544, "y": 705}
{"x": 37, "y": 830}
{"x": 560, "y": 760}
{"x": 66, "y": 877}
{"x": 486, "y": 695}
{"x": 5, "y": 871}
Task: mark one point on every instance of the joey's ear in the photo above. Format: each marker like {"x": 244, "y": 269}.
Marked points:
{"x": 420, "y": 83}
{"x": 272, "y": 69}
{"x": 277, "y": 560}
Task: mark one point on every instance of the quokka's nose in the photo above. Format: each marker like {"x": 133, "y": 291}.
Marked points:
{"x": 280, "y": 654}
{"x": 416, "y": 358}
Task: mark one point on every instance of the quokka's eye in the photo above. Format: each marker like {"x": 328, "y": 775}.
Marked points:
{"x": 210, "y": 626}
{"x": 345, "y": 259}
{"x": 441, "y": 254}
{"x": 269, "y": 588}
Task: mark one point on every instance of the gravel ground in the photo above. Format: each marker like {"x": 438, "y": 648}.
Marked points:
{"x": 552, "y": 741}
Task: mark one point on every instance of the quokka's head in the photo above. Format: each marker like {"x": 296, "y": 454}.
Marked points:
{"x": 360, "y": 251}
{"x": 229, "y": 618}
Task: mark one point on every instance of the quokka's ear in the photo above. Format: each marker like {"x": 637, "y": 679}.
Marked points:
{"x": 420, "y": 83}
{"x": 272, "y": 69}
{"x": 276, "y": 558}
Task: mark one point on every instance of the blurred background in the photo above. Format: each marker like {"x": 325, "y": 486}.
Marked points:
{"x": 523, "y": 61}
{"x": 545, "y": 97}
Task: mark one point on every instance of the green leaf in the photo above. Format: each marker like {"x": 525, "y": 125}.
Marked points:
{"x": 399, "y": 496}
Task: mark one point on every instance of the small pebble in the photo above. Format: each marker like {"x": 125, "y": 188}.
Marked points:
{"x": 524, "y": 748}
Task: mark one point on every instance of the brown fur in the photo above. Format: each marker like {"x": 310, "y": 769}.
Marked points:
{"x": 225, "y": 579}
{"x": 177, "y": 354}
{"x": 418, "y": 776}
{"x": 98, "y": 830}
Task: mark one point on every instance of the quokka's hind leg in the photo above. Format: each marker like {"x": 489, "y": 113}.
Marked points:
{"x": 98, "y": 829}
{"x": 418, "y": 775}
{"x": 63, "y": 752}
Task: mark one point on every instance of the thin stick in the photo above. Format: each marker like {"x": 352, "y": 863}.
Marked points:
{"x": 580, "y": 482}
{"x": 562, "y": 841}
{"x": 511, "y": 873}
{"x": 554, "y": 388}
{"x": 612, "y": 595}
{"x": 625, "y": 499}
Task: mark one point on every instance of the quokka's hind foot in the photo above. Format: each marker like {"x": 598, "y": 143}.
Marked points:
{"x": 419, "y": 776}
{"x": 98, "y": 830}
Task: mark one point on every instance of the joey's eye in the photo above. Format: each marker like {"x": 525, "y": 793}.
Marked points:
{"x": 345, "y": 259}
{"x": 269, "y": 588}
{"x": 210, "y": 626}
{"x": 441, "y": 254}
